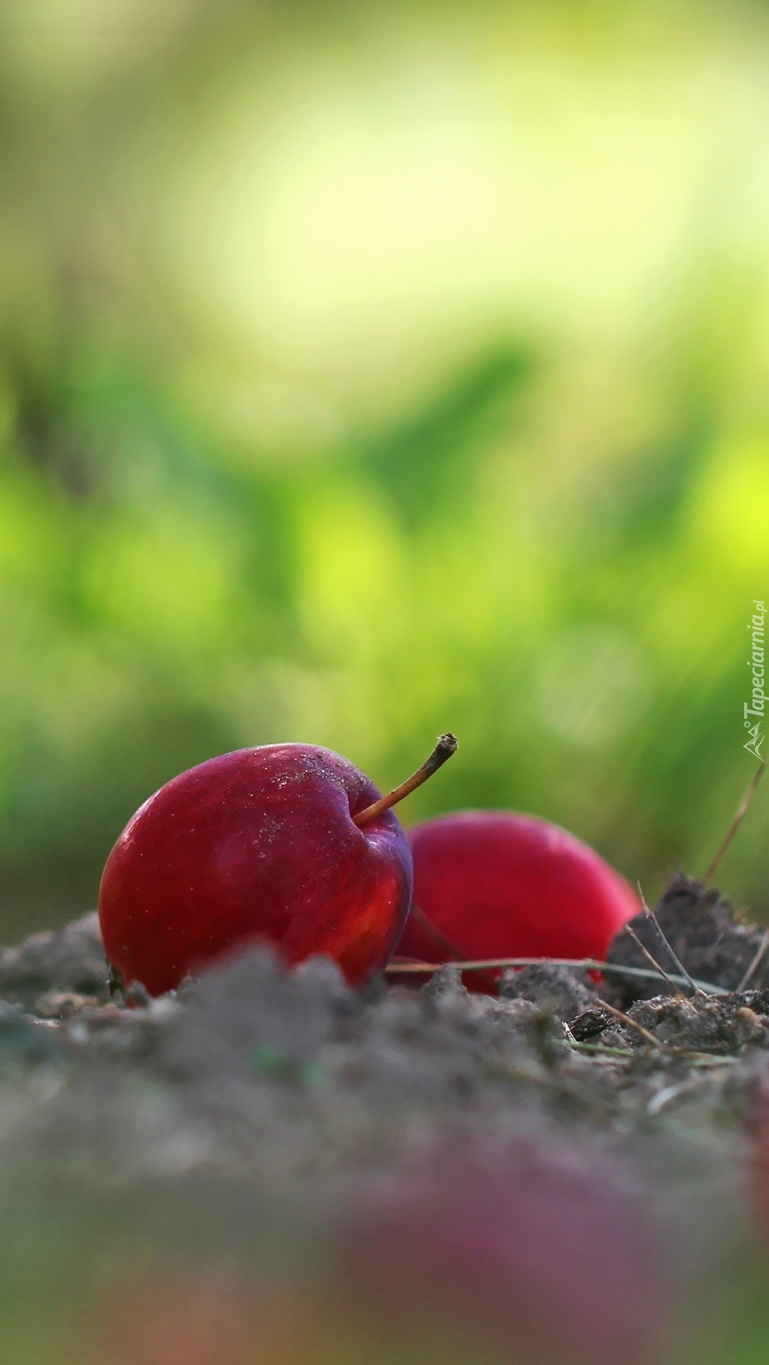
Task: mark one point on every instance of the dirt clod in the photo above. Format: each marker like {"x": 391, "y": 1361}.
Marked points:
{"x": 71, "y": 961}
{"x": 562, "y": 990}
{"x": 700, "y": 927}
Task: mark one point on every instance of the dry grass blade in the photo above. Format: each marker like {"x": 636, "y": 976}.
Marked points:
{"x": 669, "y": 1093}
{"x": 588, "y": 964}
{"x": 419, "y": 917}
{"x": 426, "y": 924}
{"x": 666, "y": 941}
{"x": 660, "y": 971}
{"x": 632, "y": 1023}
{"x": 757, "y": 960}
{"x": 600, "y": 1052}
{"x": 740, "y": 814}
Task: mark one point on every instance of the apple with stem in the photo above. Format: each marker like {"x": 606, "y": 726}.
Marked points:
{"x": 285, "y": 844}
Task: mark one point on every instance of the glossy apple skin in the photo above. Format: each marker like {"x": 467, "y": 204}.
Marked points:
{"x": 503, "y": 884}
{"x": 255, "y": 846}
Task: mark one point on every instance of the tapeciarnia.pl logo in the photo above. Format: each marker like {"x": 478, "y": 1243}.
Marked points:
{"x": 755, "y": 707}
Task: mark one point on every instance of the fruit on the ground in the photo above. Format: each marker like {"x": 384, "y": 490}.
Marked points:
{"x": 288, "y": 844}
{"x": 498, "y": 884}
{"x": 259, "y": 844}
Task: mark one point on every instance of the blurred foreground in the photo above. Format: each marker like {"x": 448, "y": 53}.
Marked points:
{"x": 272, "y": 1170}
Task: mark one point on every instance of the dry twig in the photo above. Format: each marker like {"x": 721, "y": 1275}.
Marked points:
{"x": 759, "y": 956}
{"x": 739, "y": 816}
{"x": 588, "y": 964}
{"x": 633, "y": 1023}
{"x": 660, "y": 971}
{"x": 666, "y": 941}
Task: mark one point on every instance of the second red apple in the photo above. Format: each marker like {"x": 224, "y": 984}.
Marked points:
{"x": 496, "y": 884}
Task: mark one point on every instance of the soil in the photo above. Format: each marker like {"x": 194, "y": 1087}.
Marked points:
{"x": 705, "y": 936}
{"x": 260, "y": 1113}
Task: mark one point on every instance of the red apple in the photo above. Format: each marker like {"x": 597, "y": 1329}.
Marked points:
{"x": 498, "y": 884}
{"x": 260, "y": 845}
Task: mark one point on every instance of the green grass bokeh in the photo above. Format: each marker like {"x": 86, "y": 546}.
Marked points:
{"x": 368, "y": 373}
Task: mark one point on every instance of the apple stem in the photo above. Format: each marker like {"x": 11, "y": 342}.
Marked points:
{"x": 446, "y": 746}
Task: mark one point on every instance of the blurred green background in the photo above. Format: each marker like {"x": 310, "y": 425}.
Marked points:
{"x": 373, "y": 370}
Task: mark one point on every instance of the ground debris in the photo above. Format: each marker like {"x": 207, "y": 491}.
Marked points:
{"x": 724, "y": 1025}
{"x": 258, "y": 1109}
{"x": 700, "y": 927}
{"x": 69, "y": 962}
{"x": 286, "y": 1077}
{"x": 563, "y": 990}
